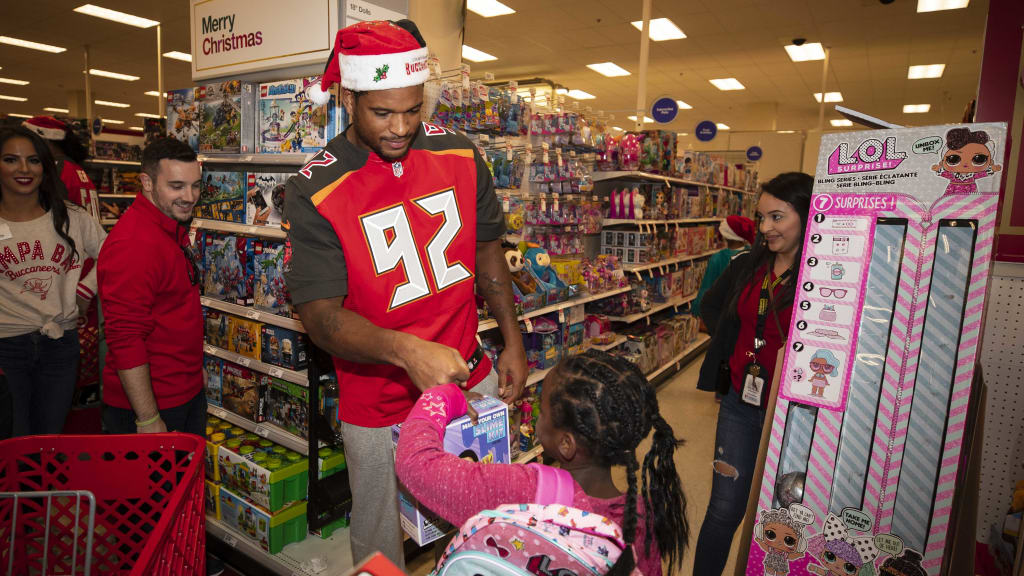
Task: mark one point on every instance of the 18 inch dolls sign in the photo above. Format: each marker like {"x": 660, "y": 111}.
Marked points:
{"x": 865, "y": 444}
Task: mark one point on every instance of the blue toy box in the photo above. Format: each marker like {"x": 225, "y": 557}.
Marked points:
{"x": 213, "y": 366}
{"x": 283, "y": 347}
{"x": 264, "y": 197}
{"x": 228, "y": 266}
{"x": 270, "y": 293}
{"x": 289, "y": 123}
{"x": 222, "y": 196}
{"x": 183, "y": 116}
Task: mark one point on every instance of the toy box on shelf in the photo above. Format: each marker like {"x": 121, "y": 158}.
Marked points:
{"x": 266, "y": 474}
{"x": 270, "y": 292}
{"x": 120, "y": 151}
{"x": 222, "y": 196}
{"x": 228, "y": 267}
{"x": 283, "y": 347}
{"x": 218, "y": 433}
{"x": 227, "y": 111}
{"x": 865, "y": 459}
{"x": 184, "y": 116}
{"x": 290, "y": 123}
{"x": 286, "y": 406}
{"x": 544, "y": 344}
{"x": 213, "y": 367}
{"x": 244, "y": 337}
{"x": 114, "y": 208}
{"x": 265, "y": 197}
{"x": 212, "y": 496}
{"x": 271, "y": 531}
{"x": 243, "y": 392}
{"x": 216, "y": 329}
{"x": 486, "y": 441}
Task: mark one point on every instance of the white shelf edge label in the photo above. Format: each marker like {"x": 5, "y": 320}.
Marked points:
{"x": 276, "y": 372}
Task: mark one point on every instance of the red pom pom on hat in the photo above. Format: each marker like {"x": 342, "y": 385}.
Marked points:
{"x": 46, "y": 127}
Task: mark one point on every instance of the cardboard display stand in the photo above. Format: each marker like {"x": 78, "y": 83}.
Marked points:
{"x": 870, "y": 443}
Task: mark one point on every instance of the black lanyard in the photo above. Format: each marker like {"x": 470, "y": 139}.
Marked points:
{"x": 767, "y": 288}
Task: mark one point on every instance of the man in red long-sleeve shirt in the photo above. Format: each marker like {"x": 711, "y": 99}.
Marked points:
{"x": 148, "y": 282}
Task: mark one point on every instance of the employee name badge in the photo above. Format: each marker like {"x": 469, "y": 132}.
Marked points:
{"x": 753, "y": 384}
{"x": 5, "y": 231}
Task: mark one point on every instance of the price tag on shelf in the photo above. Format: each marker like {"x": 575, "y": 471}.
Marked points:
{"x": 244, "y": 361}
{"x": 276, "y": 372}
{"x": 254, "y": 230}
{"x": 262, "y": 430}
{"x": 543, "y": 203}
{"x": 558, "y": 157}
{"x": 506, "y": 203}
{"x": 554, "y": 198}
{"x": 209, "y": 349}
{"x": 561, "y": 315}
{"x": 529, "y": 326}
{"x": 252, "y": 314}
{"x": 219, "y": 412}
{"x": 230, "y": 540}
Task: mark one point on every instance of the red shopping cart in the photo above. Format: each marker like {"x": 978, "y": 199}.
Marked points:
{"x": 120, "y": 505}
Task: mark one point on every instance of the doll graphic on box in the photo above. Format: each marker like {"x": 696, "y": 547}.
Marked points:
{"x": 906, "y": 564}
{"x": 823, "y": 363}
{"x": 782, "y": 539}
{"x": 966, "y": 158}
{"x": 840, "y": 553}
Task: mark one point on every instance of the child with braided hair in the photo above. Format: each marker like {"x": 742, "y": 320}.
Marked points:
{"x": 595, "y": 411}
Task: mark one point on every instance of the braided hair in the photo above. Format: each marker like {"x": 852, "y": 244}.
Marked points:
{"x": 609, "y": 406}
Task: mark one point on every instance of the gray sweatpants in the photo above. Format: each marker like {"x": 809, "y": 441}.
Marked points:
{"x": 371, "y": 473}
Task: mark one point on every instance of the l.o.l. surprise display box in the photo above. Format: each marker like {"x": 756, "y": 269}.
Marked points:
{"x": 863, "y": 472}
{"x": 486, "y": 441}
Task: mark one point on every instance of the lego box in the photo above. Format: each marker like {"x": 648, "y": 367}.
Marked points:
{"x": 270, "y": 293}
{"x": 244, "y": 337}
{"x": 265, "y": 197}
{"x": 222, "y": 196}
{"x": 266, "y": 474}
{"x": 183, "y": 116}
{"x": 290, "y": 123}
{"x": 216, "y": 328}
{"x": 271, "y": 531}
{"x": 242, "y": 392}
{"x": 283, "y": 347}
{"x": 487, "y": 441}
{"x": 212, "y": 367}
{"x": 286, "y": 406}
{"x": 227, "y": 112}
{"x": 228, "y": 268}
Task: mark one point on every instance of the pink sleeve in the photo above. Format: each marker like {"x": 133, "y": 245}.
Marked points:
{"x": 453, "y": 488}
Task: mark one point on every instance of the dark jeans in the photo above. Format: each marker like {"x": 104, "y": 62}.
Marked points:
{"x": 736, "y": 443}
{"x": 190, "y": 417}
{"x": 41, "y": 374}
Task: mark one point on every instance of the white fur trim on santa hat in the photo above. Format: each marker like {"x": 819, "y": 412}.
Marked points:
{"x": 384, "y": 71}
{"x": 45, "y": 133}
{"x": 318, "y": 95}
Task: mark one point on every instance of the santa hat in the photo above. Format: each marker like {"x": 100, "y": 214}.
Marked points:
{"x": 737, "y": 228}
{"x": 375, "y": 55}
{"x": 47, "y": 127}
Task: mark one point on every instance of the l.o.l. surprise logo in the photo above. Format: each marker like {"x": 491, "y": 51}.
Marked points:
{"x": 823, "y": 202}
{"x": 872, "y": 155}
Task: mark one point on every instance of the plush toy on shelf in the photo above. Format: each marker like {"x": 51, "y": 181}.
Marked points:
{"x": 524, "y": 281}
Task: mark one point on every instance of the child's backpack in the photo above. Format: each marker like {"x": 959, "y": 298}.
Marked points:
{"x": 546, "y": 538}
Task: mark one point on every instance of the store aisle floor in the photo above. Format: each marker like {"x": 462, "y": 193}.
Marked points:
{"x": 693, "y": 415}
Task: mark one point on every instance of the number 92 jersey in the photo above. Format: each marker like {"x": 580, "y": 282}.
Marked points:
{"x": 398, "y": 241}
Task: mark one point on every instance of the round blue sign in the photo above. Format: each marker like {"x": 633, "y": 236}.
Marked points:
{"x": 754, "y": 153}
{"x": 664, "y": 110}
{"x": 706, "y": 131}
{"x": 97, "y": 125}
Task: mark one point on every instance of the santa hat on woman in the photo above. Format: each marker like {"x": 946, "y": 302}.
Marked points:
{"x": 47, "y": 127}
{"x": 375, "y": 55}
{"x": 737, "y": 228}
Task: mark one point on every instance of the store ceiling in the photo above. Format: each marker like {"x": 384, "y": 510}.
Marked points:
{"x": 872, "y": 46}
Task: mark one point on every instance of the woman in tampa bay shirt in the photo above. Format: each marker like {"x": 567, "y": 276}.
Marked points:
{"x": 43, "y": 240}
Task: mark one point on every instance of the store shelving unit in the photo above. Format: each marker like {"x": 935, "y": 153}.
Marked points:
{"x": 637, "y": 175}
{"x": 117, "y": 195}
{"x": 645, "y": 222}
{"x": 675, "y": 302}
{"x": 253, "y": 314}
{"x": 237, "y": 228}
{"x": 530, "y": 456}
{"x": 619, "y": 341}
{"x": 299, "y": 378}
{"x": 701, "y": 341}
{"x": 491, "y": 324}
{"x": 294, "y": 559}
{"x": 114, "y": 163}
{"x": 637, "y": 268}
{"x": 263, "y": 429}
{"x": 255, "y": 159}
{"x": 108, "y": 221}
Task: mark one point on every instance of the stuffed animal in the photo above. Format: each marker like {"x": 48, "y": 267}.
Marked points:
{"x": 540, "y": 265}
{"x": 520, "y": 277}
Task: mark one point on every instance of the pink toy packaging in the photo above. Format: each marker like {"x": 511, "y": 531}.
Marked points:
{"x": 863, "y": 471}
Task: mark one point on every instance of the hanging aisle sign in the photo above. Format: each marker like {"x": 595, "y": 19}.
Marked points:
{"x": 754, "y": 153}
{"x": 706, "y": 131}
{"x": 232, "y": 37}
{"x": 664, "y": 110}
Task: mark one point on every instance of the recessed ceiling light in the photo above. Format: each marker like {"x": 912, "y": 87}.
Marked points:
{"x": 786, "y": 131}
{"x": 683, "y": 105}
{"x": 646, "y": 119}
{"x": 108, "y": 121}
{"x": 609, "y": 69}
{"x": 722, "y": 126}
{"x": 488, "y": 8}
{"x": 580, "y": 95}
{"x": 682, "y": 134}
{"x": 136, "y": 128}
{"x": 13, "y": 115}
{"x": 111, "y": 104}
{"x": 114, "y": 75}
{"x": 841, "y": 122}
{"x": 33, "y": 45}
{"x": 13, "y": 81}
{"x": 936, "y": 5}
{"x": 805, "y": 52}
{"x": 147, "y": 115}
{"x": 13, "y": 98}
{"x": 916, "y": 108}
{"x": 58, "y": 110}
{"x": 155, "y": 93}
{"x": 108, "y": 14}
{"x": 925, "y": 71}
{"x": 660, "y": 29}
{"x": 474, "y": 55}
{"x": 616, "y": 128}
{"x": 829, "y": 96}
{"x": 184, "y": 57}
{"x": 727, "y": 84}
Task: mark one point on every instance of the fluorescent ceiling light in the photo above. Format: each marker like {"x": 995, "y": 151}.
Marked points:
{"x": 805, "y": 52}
{"x": 111, "y": 104}
{"x": 13, "y": 115}
{"x": 13, "y": 98}
{"x": 108, "y": 14}
{"x": 184, "y": 57}
{"x": 786, "y": 131}
{"x": 13, "y": 81}
{"x": 155, "y": 93}
{"x": 829, "y": 96}
{"x": 609, "y": 69}
{"x": 722, "y": 126}
{"x": 841, "y": 122}
{"x": 474, "y": 55}
{"x": 646, "y": 119}
{"x": 147, "y": 115}
{"x": 916, "y": 108}
{"x": 682, "y": 134}
{"x": 936, "y": 5}
{"x": 616, "y": 128}
{"x": 33, "y": 45}
{"x": 660, "y": 29}
{"x": 580, "y": 95}
{"x": 136, "y": 128}
{"x": 108, "y": 121}
{"x": 727, "y": 84}
{"x": 114, "y": 75}
{"x": 488, "y": 8}
{"x": 683, "y": 105}
{"x": 58, "y": 110}
{"x": 925, "y": 71}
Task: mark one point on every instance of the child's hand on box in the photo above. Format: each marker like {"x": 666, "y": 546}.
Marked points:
{"x": 439, "y": 406}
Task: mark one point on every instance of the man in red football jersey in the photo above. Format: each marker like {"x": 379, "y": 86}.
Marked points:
{"x": 389, "y": 227}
